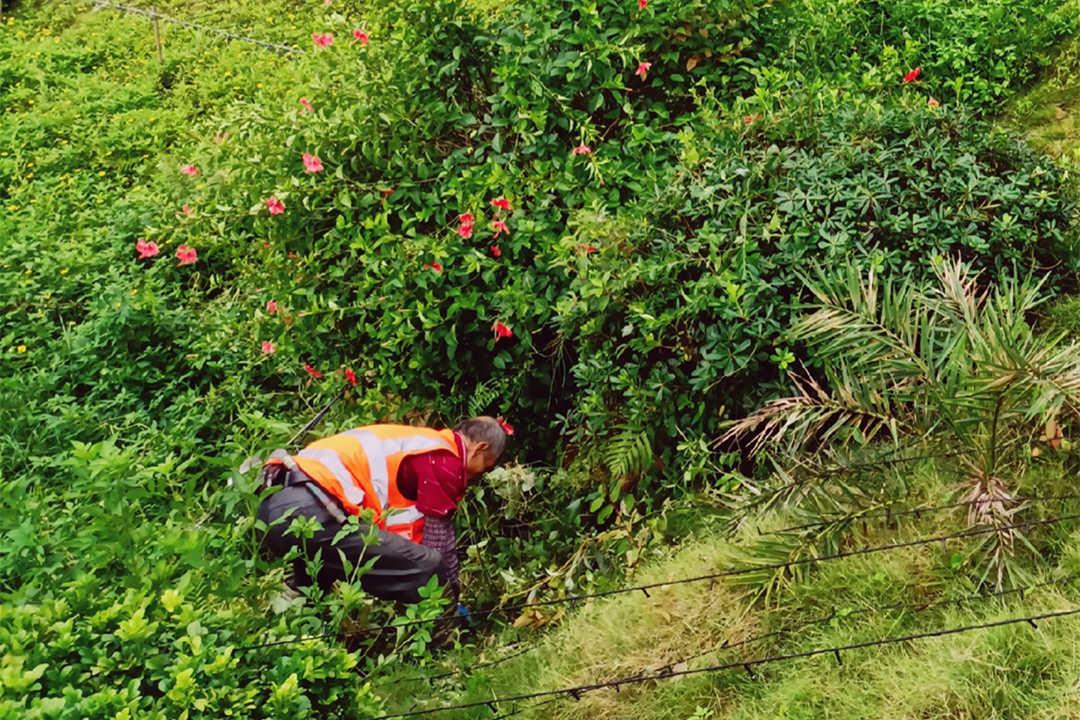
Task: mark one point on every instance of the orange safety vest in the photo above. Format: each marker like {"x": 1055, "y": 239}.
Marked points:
{"x": 359, "y": 468}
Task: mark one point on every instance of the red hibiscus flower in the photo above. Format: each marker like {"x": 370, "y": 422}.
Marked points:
{"x": 501, "y": 203}
{"x": 271, "y": 306}
{"x": 312, "y": 163}
{"x": 587, "y": 249}
{"x": 496, "y": 251}
{"x": 322, "y": 39}
{"x": 350, "y": 376}
{"x": 581, "y": 149}
{"x": 466, "y": 227}
{"x": 185, "y": 210}
{"x": 268, "y": 347}
{"x": 507, "y": 427}
{"x": 186, "y": 254}
{"x": 933, "y": 102}
{"x": 307, "y": 104}
{"x": 643, "y": 69}
{"x": 312, "y": 371}
{"x": 360, "y": 35}
{"x": 437, "y": 267}
{"x": 190, "y": 170}
{"x": 146, "y": 249}
{"x": 501, "y": 331}
{"x": 642, "y": 4}
{"x": 275, "y": 206}
{"x": 499, "y": 227}
{"x": 751, "y": 119}
{"x": 912, "y": 75}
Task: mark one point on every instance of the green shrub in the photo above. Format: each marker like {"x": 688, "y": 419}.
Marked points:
{"x": 682, "y": 314}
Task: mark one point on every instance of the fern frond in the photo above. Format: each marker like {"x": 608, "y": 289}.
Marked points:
{"x": 629, "y": 452}
{"x": 483, "y": 399}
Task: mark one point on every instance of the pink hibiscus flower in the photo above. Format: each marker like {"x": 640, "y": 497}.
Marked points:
{"x": 312, "y": 163}
{"x": 190, "y": 170}
{"x": 501, "y": 203}
{"x": 581, "y": 149}
{"x": 643, "y": 69}
{"x": 496, "y": 251}
{"x": 271, "y": 306}
{"x": 307, "y": 104}
{"x": 275, "y": 206}
{"x": 146, "y": 249}
{"x": 322, "y": 39}
{"x": 186, "y": 254}
{"x": 360, "y": 35}
{"x": 268, "y": 347}
{"x": 499, "y": 227}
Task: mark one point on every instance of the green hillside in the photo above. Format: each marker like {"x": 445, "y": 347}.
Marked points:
{"x": 713, "y": 260}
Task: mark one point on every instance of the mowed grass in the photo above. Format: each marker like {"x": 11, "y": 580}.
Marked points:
{"x": 1011, "y": 671}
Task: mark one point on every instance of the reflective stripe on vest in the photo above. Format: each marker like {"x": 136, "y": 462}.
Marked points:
{"x": 359, "y": 467}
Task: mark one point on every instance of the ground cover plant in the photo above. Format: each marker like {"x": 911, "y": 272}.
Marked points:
{"x": 587, "y": 217}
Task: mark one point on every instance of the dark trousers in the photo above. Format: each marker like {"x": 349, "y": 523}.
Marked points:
{"x": 401, "y": 567}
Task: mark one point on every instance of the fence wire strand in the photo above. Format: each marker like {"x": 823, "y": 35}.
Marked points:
{"x": 154, "y": 14}
{"x": 727, "y": 572}
{"x": 914, "y": 607}
{"x": 747, "y": 665}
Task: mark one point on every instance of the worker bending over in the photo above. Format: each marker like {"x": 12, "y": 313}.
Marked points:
{"x": 411, "y": 478}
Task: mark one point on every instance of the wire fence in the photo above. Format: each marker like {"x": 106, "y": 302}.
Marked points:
{"x": 889, "y": 513}
{"x": 724, "y": 573}
{"x": 833, "y": 615}
{"x": 912, "y": 607}
{"x": 746, "y": 665}
{"x": 154, "y": 15}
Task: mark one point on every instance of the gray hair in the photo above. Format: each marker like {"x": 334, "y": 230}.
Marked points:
{"x": 484, "y": 429}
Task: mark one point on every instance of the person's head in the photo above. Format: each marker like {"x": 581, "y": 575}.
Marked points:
{"x": 484, "y": 440}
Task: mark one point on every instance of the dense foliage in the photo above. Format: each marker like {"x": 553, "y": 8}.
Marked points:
{"x": 583, "y": 216}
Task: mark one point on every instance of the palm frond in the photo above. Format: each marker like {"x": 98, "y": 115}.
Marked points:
{"x": 852, "y": 410}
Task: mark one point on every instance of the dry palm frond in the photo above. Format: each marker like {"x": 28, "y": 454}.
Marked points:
{"x": 817, "y": 415}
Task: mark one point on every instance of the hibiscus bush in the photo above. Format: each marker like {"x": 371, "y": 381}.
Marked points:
{"x": 585, "y": 216}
